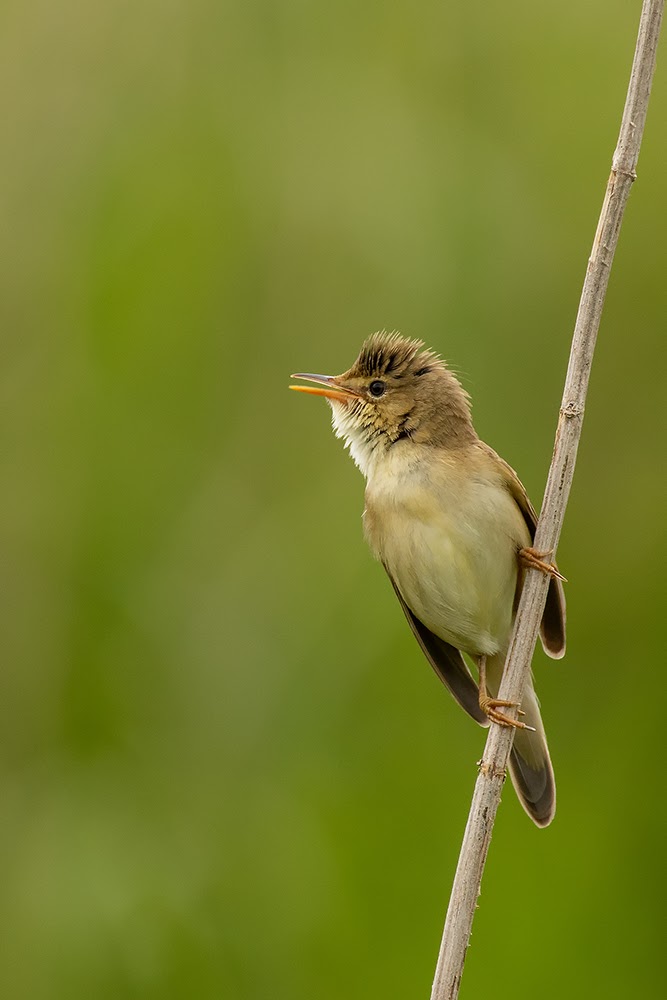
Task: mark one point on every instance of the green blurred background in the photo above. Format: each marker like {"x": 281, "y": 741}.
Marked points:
{"x": 227, "y": 771}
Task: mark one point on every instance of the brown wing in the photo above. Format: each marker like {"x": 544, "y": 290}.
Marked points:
{"x": 552, "y": 627}
{"x": 447, "y": 662}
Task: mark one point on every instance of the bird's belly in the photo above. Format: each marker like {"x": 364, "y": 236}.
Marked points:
{"x": 455, "y": 564}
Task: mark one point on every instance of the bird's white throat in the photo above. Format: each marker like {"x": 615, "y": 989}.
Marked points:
{"x": 361, "y": 439}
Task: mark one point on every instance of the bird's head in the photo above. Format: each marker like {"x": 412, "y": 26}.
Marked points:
{"x": 396, "y": 392}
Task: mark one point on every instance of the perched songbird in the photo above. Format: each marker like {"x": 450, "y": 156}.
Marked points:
{"x": 452, "y": 525}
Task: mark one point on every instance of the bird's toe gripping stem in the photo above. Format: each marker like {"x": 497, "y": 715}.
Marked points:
{"x": 534, "y": 559}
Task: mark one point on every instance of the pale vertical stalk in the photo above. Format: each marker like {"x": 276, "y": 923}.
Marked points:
{"x": 486, "y": 798}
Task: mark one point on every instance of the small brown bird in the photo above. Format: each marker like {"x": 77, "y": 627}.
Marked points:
{"x": 452, "y": 525}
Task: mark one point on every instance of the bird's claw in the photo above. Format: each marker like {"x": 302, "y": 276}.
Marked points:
{"x": 534, "y": 559}
{"x": 490, "y": 705}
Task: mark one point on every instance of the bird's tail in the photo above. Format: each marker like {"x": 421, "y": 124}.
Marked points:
{"x": 530, "y": 765}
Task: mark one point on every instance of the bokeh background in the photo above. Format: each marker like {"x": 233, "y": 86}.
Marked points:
{"x": 226, "y": 769}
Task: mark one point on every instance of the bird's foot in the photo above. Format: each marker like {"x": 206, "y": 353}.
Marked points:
{"x": 490, "y": 705}
{"x": 535, "y": 559}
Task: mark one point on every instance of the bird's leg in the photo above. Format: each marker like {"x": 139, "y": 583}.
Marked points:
{"x": 490, "y": 705}
{"x": 535, "y": 559}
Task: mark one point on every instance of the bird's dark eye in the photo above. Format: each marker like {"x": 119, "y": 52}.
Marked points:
{"x": 377, "y": 388}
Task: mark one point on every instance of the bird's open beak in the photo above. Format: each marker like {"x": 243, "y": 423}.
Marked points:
{"x": 327, "y": 385}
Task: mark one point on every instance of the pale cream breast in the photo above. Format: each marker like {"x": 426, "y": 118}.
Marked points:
{"x": 448, "y": 532}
